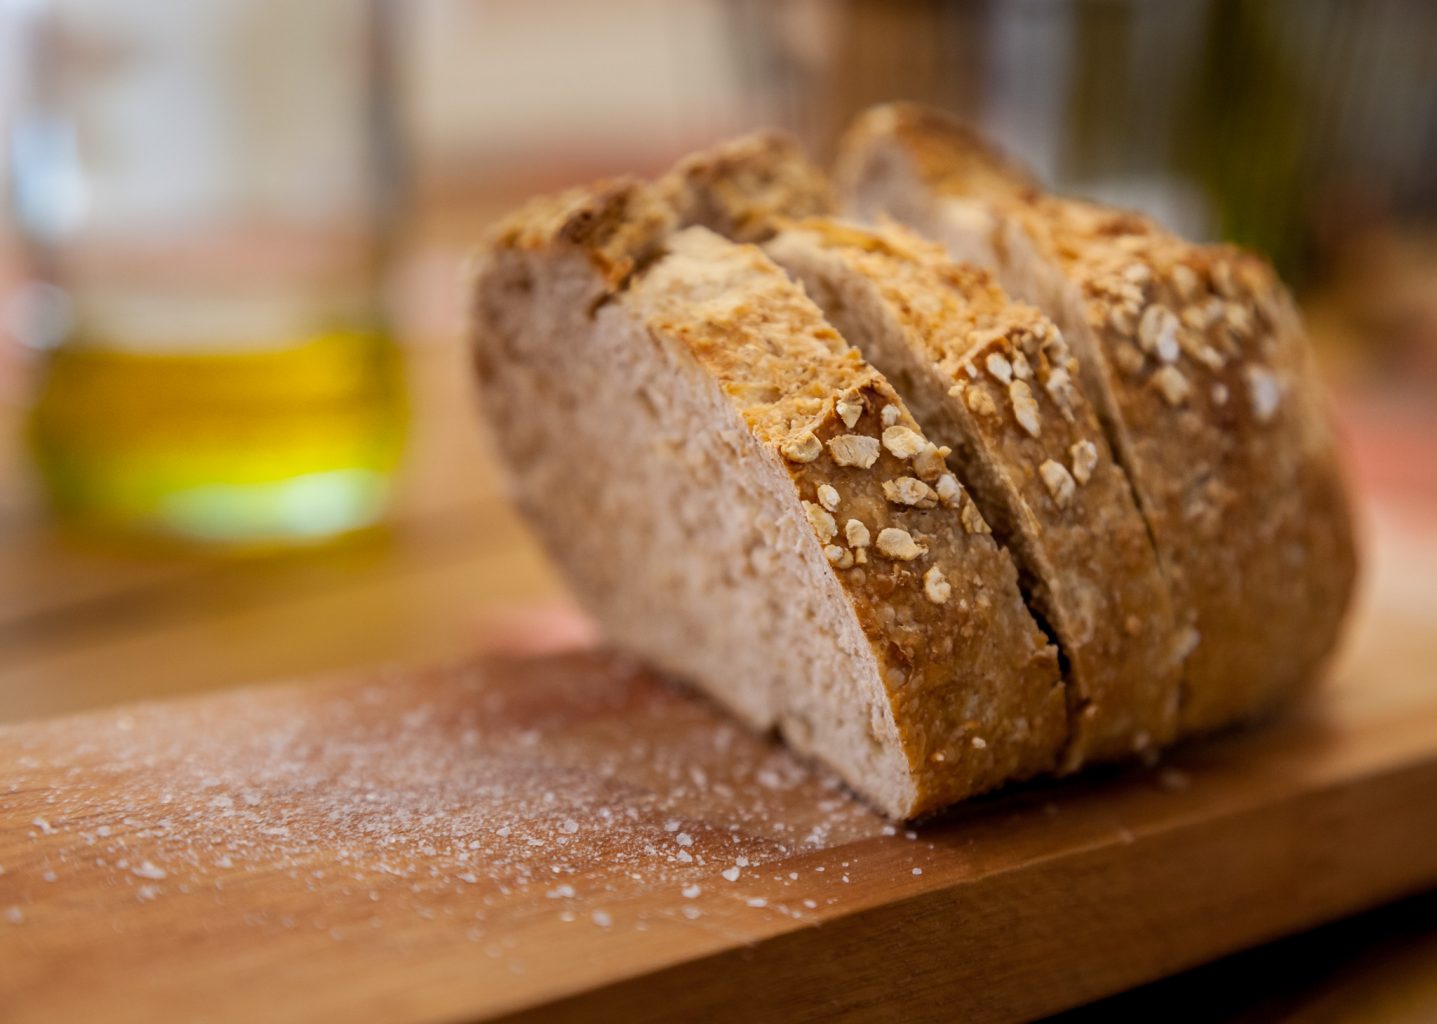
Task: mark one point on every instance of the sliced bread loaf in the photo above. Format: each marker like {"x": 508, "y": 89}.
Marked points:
{"x": 1195, "y": 360}
{"x": 994, "y": 381}
{"x": 741, "y": 499}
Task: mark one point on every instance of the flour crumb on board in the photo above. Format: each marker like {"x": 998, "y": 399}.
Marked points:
{"x": 466, "y": 796}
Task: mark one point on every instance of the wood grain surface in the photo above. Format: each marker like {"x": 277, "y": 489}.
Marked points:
{"x": 568, "y": 837}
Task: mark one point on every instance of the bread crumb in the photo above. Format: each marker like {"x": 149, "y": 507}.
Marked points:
{"x": 917, "y": 871}
{"x": 1059, "y": 482}
{"x": 854, "y": 450}
{"x": 601, "y": 919}
{"x": 979, "y": 743}
{"x": 730, "y": 874}
{"x": 908, "y": 490}
{"x": 1025, "y": 407}
{"x": 936, "y": 586}
{"x": 1085, "y": 459}
{"x": 899, "y": 544}
{"x": 804, "y": 447}
{"x": 902, "y": 442}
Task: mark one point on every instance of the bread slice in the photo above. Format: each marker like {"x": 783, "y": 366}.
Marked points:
{"x": 1196, "y": 362}
{"x": 994, "y": 381}
{"x": 740, "y": 499}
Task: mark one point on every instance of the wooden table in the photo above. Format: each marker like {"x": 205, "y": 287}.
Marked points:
{"x": 84, "y": 625}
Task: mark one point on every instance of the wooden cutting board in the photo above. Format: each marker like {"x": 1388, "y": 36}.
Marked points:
{"x": 570, "y": 839}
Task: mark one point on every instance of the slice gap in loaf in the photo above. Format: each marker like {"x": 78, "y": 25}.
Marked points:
{"x": 1195, "y": 358}
{"x": 705, "y": 457}
{"x": 993, "y": 380}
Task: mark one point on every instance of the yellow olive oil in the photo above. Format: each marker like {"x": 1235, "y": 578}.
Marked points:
{"x": 249, "y": 445}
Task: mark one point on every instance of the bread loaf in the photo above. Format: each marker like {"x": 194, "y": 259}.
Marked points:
{"x": 1195, "y": 360}
{"x": 741, "y": 499}
{"x": 937, "y": 539}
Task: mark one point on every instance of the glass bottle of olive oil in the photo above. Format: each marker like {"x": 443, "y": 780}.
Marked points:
{"x": 204, "y": 191}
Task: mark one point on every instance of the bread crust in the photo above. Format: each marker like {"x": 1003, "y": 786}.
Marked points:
{"x": 994, "y": 380}
{"x": 1196, "y": 359}
{"x": 742, "y": 187}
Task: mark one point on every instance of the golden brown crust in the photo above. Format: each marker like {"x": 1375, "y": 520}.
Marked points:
{"x": 616, "y": 224}
{"x": 1196, "y": 357}
{"x": 740, "y": 188}
{"x": 971, "y": 679}
{"x": 994, "y": 380}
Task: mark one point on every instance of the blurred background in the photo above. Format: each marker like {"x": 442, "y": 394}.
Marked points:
{"x": 237, "y": 439}
{"x": 237, "y": 435}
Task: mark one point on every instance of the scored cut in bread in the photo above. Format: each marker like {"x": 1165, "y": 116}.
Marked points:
{"x": 994, "y": 381}
{"x": 742, "y": 500}
{"x": 1195, "y": 359}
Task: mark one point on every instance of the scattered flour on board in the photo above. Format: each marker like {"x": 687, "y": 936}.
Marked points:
{"x": 463, "y": 795}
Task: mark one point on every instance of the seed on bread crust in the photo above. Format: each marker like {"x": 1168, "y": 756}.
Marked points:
{"x": 1264, "y": 389}
{"x": 980, "y": 402}
{"x": 899, "y": 545}
{"x": 802, "y": 447}
{"x": 1171, "y": 384}
{"x": 999, "y": 367}
{"x": 848, "y": 409}
{"x": 822, "y": 521}
{"x": 902, "y": 442}
{"x": 936, "y": 587}
{"x": 889, "y": 416}
{"x": 929, "y": 463}
{"x": 950, "y": 491}
{"x": 856, "y": 533}
{"x": 1085, "y": 460}
{"x": 828, "y": 497}
{"x": 908, "y": 490}
{"x": 1059, "y": 482}
{"x": 1025, "y": 407}
{"x": 854, "y": 450}
{"x": 972, "y": 519}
